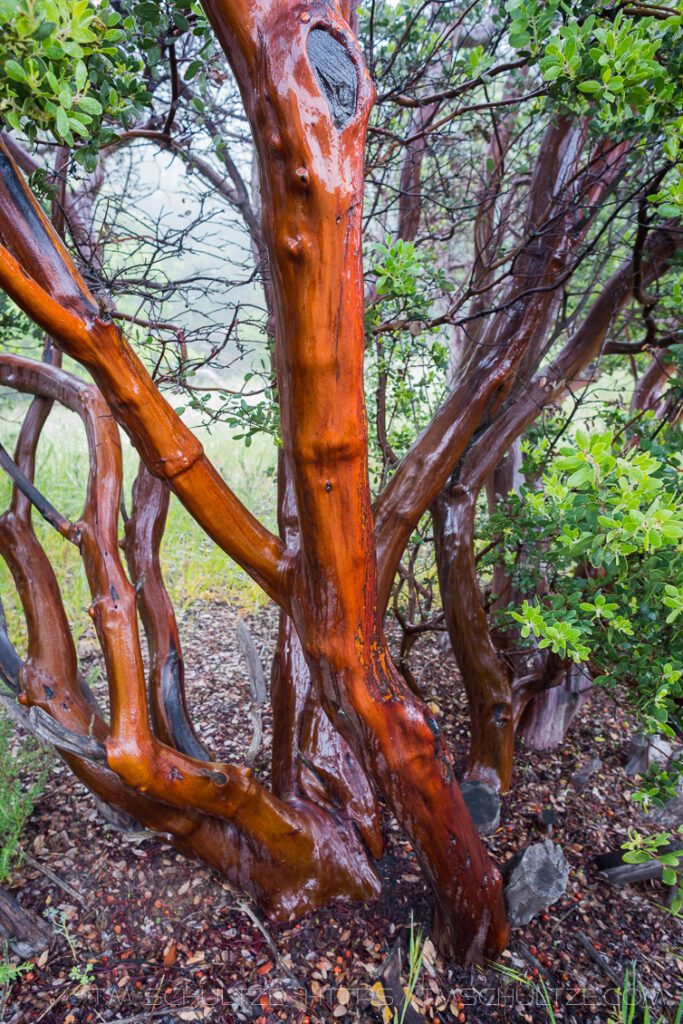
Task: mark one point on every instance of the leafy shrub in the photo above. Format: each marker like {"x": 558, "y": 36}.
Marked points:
{"x": 640, "y": 849}
{"x": 602, "y": 563}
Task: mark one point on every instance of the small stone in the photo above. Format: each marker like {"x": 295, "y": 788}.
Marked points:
{"x": 581, "y": 777}
{"x": 546, "y": 820}
{"x": 536, "y": 878}
{"x": 483, "y": 803}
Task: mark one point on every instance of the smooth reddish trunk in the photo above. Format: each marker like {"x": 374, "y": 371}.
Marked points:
{"x": 291, "y": 857}
{"x": 314, "y": 243}
{"x": 486, "y": 678}
{"x": 309, "y": 756}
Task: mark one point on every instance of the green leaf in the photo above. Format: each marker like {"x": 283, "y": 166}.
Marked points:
{"x": 520, "y": 41}
{"x": 637, "y": 857}
{"x": 62, "y": 123}
{"x": 580, "y": 477}
{"x": 80, "y": 75}
{"x": 90, "y": 105}
{"x": 193, "y": 67}
{"x": 590, "y": 86}
{"x": 44, "y": 30}
{"x": 551, "y": 73}
{"x": 15, "y": 71}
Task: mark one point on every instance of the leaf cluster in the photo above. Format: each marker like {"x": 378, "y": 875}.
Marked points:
{"x": 602, "y": 557}
{"x": 624, "y": 73}
{"x": 65, "y": 67}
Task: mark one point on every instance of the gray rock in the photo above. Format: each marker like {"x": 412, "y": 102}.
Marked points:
{"x": 483, "y": 803}
{"x": 581, "y": 777}
{"x": 535, "y": 880}
{"x": 669, "y": 815}
{"x": 646, "y": 750}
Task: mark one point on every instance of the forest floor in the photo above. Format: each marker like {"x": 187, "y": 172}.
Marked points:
{"x": 144, "y": 935}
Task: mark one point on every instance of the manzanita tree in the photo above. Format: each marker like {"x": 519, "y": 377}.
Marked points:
{"x": 347, "y": 725}
{"x": 307, "y": 94}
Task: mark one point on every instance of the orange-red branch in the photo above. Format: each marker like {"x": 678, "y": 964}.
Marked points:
{"x": 52, "y": 292}
{"x": 143, "y": 535}
{"x": 291, "y": 856}
{"x": 307, "y": 94}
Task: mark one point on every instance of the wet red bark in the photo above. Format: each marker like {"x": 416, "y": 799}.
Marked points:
{"x": 497, "y": 695}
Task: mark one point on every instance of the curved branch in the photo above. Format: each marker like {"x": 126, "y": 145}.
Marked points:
{"x": 38, "y": 274}
{"x": 291, "y": 857}
{"x": 551, "y": 382}
{"x": 144, "y": 531}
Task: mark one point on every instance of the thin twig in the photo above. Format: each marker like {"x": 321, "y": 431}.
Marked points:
{"x": 47, "y": 510}
{"x": 56, "y": 879}
{"x": 245, "y": 908}
{"x": 600, "y": 959}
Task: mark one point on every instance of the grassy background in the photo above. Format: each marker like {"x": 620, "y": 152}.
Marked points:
{"x": 194, "y": 567}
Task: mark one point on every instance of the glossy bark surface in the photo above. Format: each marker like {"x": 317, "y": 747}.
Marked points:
{"x": 311, "y": 159}
{"x": 293, "y": 856}
{"x": 486, "y": 679}
{"x": 498, "y": 696}
{"x": 142, "y": 544}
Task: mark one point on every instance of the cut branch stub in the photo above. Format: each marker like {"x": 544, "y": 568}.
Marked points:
{"x": 46, "y": 509}
{"x": 46, "y": 728}
{"x": 26, "y": 933}
{"x": 336, "y": 72}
